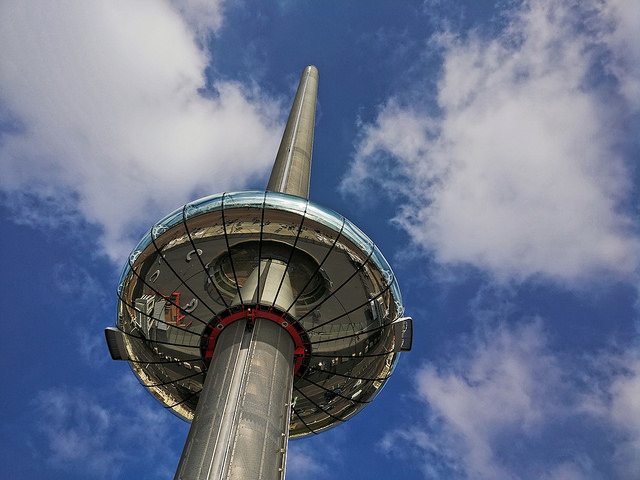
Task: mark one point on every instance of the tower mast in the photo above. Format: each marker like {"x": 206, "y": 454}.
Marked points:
{"x": 292, "y": 169}
{"x": 257, "y": 315}
{"x": 241, "y": 425}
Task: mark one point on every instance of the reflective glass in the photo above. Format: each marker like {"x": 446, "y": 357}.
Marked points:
{"x": 243, "y": 199}
{"x": 167, "y": 222}
{"x": 133, "y": 256}
{"x": 340, "y": 289}
{"x": 123, "y": 276}
{"x": 281, "y": 225}
{"x": 143, "y": 243}
{"x": 290, "y": 203}
{"x": 382, "y": 264}
{"x": 206, "y": 225}
{"x": 325, "y": 216}
{"x": 356, "y": 235}
{"x": 397, "y": 297}
{"x": 203, "y": 205}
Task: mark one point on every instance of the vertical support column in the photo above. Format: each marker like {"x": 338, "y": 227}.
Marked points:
{"x": 241, "y": 425}
{"x": 260, "y": 442}
{"x": 292, "y": 169}
{"x": 207, "y": 444}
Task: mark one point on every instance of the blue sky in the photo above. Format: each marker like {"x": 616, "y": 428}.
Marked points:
{"x": 490, "y": 149}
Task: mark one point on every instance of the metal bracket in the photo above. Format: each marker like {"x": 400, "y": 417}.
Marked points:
{"x": 403, "y": 331}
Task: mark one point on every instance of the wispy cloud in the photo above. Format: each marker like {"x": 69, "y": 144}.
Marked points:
{"x": 519, "y": 172}
{"x": 70, "y": 278}
{"x": 107, "y": 114}
{"x": 76, "y": 431}
{"x": 317, "y": 457}
{"x": 78, "y": 428}
{"x": 624, "y": 43}
{"x": 303, "y": 464}
{"x": 202, "y": 15}
{"x": 611, "y": 395}
{"x": 505, "y": 392}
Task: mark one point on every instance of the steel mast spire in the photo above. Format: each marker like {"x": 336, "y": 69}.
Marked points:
{"x": 241, "y": 425}
{"x": 292, "y": 169}
{"x": 259, "y": 314}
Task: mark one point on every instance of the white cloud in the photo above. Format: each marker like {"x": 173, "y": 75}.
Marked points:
{"x": 78, "y": 431}
{"x": 202, "y": 15}
{"x": 302, "y": 464}
{"x": 495, "y": 391}
{"x": 612, "y": 396}
{"x": 317, "y": 457}
{"x": 508, "y": 407}
{"x": 520, "y": 173}
{"x": 104, "y": 114}
{"x": 624, "y": 42}
{"x": 71, "y": 279}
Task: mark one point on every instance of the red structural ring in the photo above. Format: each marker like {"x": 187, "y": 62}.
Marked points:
{"x": 302, "y": 348}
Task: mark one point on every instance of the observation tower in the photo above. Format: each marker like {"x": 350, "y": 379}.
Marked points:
{"x": 259, "y": 316}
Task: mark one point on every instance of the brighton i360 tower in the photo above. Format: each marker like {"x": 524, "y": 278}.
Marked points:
{"x": 259, "y": 315}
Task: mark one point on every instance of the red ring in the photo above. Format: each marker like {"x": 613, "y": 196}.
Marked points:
{"x": 302, "y": 349}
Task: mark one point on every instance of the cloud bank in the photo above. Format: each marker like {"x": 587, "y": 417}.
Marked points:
{"x": 520, "y": 171}
{"x": 107, "y": 116}
{"x": 510, "y": 398}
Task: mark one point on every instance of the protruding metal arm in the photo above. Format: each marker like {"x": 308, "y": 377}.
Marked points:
{"x": 403, "y": 331}
{"x": 292, "y": 169}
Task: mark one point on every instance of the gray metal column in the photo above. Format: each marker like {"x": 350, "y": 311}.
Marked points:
{"x": 262, "y": 431}
{"x": 241, "y": 424}
{"x": 240, "y": 429}
{"x": 292, "y": 169}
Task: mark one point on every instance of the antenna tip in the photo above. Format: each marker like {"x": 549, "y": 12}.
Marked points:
{"x": 310, "y": 70}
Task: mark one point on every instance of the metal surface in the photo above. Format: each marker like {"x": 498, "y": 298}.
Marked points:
{"x": 241, "y": 423}
{"x": 262, "y": 426}
{"x": 291, "y": 171}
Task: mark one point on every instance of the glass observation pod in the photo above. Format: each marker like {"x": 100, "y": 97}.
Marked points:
{"x": 183, "y": 285}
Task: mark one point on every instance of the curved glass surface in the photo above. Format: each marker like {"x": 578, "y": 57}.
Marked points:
{"x": 288, "y": 203}
{"x": 191, "y": 267}
{"x": 203, "y": 205}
